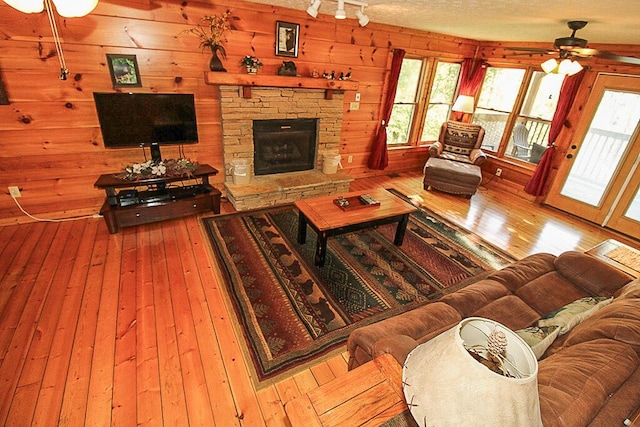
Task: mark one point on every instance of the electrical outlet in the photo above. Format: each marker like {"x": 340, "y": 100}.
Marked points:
{"x": 350, "y": 159}
{"x": 357, "y": 97}
{"x": 14, "y": 191}
{"x": 498, "y": 172}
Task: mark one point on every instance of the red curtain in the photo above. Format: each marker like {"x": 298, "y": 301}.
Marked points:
{"x": 568, "y": 91}
{"x": 471, "y": 77}
{"x": 379, "y": 158}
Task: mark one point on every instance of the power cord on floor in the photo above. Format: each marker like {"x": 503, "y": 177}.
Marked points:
{"x": 35, "y": 218}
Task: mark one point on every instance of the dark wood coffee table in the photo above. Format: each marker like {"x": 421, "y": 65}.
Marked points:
{"x": 328, "y": 219}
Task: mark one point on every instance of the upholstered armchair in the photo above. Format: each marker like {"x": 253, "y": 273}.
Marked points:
{"x": 460, "y": 142}
{"x": 453, "y": 164}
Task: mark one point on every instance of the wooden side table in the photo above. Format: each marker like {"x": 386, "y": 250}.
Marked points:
{"x": 601, "y": 251}
{"x": 370, "y": 394}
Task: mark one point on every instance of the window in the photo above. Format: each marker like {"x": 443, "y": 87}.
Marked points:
{"x": 497, "y": 98}
{"x": 441, "y": 99}
{"x": 516, "y": 122}
{"x": 410, "y": 112}
{"x": 529, "y": 137}
{"x": 405, "y": 103}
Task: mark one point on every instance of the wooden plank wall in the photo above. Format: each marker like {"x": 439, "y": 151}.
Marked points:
{"x": 50, "y": 142}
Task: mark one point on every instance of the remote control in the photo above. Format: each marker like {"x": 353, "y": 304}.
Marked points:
{"x": 368, "y": 200}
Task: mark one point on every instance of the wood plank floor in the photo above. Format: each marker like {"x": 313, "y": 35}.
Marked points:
{"x": 132, "y": 328}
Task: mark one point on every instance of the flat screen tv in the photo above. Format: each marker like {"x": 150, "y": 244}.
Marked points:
{"x": 146, "y": 120}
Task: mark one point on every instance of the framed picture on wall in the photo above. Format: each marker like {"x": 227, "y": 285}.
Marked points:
{"x": 287, "y": 39}
{"x": 124, "y": 70}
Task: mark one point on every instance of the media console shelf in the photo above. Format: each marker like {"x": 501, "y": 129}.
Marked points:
{"x": 125, "y": 206}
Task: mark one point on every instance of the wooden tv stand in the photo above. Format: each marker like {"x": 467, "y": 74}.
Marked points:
{"x": 160, "y": 202}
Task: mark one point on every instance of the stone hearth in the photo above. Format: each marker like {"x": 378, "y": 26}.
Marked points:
{"x": 267, "y": 103}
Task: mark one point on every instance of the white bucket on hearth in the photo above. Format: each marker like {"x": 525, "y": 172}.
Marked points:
{"x": 240, "y": 171}
{"x": 330, "y": 163}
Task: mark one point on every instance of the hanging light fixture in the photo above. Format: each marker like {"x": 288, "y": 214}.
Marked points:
{"x": 363, "y": 19}
{"x": 313, "y": 9}
{"x": 65, "y": 8}
{"x": 341, "y": 13}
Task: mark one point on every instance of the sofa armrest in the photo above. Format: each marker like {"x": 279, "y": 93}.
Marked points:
{"x": 416, "y": 324}
{"x": 477, "y": 156}
{"x": 435, "y": 149}
{"x": 399, "y": 346}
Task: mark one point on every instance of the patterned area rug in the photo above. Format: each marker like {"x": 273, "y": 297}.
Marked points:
{"x": 291, "y": 312}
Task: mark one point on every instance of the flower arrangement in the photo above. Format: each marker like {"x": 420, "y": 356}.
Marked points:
{"x": 211, "y": 30}
{"x": 165, "y": 168}
{"x": 251, "y": 62}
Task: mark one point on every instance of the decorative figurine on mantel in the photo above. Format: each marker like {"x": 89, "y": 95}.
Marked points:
{"x": 288, "y": 68}
{"x": 211, "y": 31}
{"x": 251, "y": 63}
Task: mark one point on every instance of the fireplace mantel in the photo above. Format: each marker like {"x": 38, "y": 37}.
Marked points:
{"x": 247, "y": 81}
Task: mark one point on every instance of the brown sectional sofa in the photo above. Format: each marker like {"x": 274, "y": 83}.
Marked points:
{"x": 589, "y": 376}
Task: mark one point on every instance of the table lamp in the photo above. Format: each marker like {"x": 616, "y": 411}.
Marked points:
{"x": 445, "y": 385}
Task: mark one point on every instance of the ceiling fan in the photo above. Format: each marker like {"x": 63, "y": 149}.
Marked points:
{"x": 574, "y": 47}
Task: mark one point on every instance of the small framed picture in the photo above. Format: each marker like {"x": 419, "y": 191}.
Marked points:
{"x": 287, "y": 39}
{"x": 124, "y": 70}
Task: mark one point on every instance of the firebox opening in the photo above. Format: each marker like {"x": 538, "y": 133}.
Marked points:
{"x": 284, "y": 145}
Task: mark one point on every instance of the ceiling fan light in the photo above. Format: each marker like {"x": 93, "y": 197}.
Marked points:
{"x": 575, "y": 68}
{"x": 75, "y": 8}
{"x": 26, "y": 6}
{"x": 340, "y": 12}
{"x": 313, "y": 9}
{"x": 569, "y": 67}
{"x": 549, "y": 65}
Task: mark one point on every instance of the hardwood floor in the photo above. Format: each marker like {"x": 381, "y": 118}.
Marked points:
{"x": 132, "y": 328}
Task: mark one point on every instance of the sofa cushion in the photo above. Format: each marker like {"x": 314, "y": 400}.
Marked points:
{"x": 509, "y": 310}
{"x": 574, "y": 383}
{"x": 586, "y": 271}
{"x": 522, "y": 272}
{"x": 549, "y": 291}
{"x": 618, "y": 321}
{"x": 570, "y": 315}
{"x": 471, "y": 298}
{"x": 630, "y": 290}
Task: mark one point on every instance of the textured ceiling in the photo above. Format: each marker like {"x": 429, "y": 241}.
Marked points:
{"x": 610, "y": 21}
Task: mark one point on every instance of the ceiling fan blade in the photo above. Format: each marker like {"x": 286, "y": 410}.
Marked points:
{"x": 532, "y": 49}
{"x": 614, "y": 57}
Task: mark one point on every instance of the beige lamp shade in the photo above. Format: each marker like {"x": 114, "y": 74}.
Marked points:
{"x": 445, "y": 386}
{"x": 464, "y": 104}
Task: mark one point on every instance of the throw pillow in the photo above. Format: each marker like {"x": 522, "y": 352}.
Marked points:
{"x": 539, "y": 338}
{"x": 572, "y": 314}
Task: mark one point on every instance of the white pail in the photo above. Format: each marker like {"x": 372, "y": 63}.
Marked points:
{"x": 240, "y": 171}
{"x": 330, "y": 163}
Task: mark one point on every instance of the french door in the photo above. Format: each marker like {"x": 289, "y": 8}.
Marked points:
{"x": 599, "y": 178}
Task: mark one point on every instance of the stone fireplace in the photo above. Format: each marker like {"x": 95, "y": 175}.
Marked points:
{"x": 280, "y": 106}
{"x": 284, "y": 145}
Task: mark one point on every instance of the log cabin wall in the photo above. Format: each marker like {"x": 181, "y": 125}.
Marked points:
{"x": 50, "y": 141}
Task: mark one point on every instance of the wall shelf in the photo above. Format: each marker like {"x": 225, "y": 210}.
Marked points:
{"x": 247, "y": 81}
